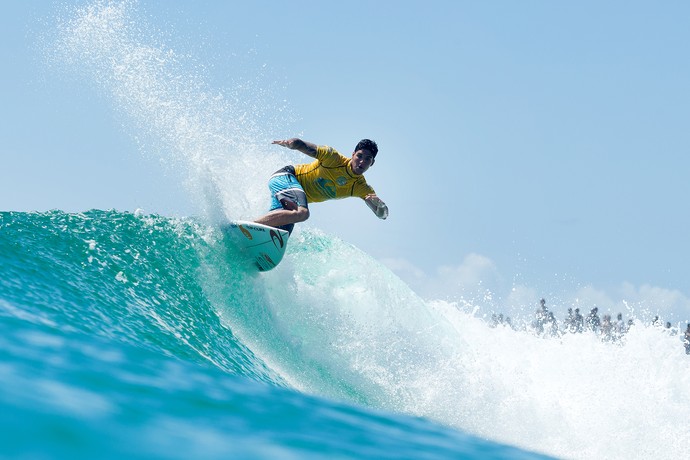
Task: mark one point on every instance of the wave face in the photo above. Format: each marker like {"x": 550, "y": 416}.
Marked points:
{"x": 118, "y": 325}
{"x": 147, "y": 335}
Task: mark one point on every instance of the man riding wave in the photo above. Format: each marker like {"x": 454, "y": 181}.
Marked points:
{"x": 330, "y": 176}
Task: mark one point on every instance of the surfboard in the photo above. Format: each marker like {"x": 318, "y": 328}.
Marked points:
{"x": 264, "y": 246}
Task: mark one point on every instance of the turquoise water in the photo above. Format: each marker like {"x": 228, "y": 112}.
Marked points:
{"x": 115, "y": 340}
{"x": 147, "y": 336}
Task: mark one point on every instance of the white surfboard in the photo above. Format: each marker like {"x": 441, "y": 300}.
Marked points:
{"x": 263, "y": 245}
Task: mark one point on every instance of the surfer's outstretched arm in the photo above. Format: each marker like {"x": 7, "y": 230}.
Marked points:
{"x": 298, "y": 144}
{"x": 377, "y": 205}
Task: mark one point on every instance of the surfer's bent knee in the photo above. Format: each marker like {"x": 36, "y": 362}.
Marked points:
{"x": 302, "y": 214}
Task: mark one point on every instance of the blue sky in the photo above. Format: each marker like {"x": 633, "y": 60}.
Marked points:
{"x": 531, "y": 149}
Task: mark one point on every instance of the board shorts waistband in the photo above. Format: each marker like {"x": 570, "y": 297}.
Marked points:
{"x": 289, "y": 169}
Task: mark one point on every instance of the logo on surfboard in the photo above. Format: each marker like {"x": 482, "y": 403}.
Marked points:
{"x": 246, "y": 232}
{"x": 275, "y": 236}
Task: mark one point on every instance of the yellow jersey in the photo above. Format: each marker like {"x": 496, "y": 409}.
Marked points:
{"x": 330, "y": 177}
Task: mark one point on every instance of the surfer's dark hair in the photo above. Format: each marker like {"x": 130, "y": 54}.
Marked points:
{"x": 368, "y": 144}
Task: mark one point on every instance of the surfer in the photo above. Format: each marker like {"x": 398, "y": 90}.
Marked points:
{"x": 330, "y": 176}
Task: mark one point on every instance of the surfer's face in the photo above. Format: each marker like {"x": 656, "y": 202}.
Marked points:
{"x": 361, "y": 161}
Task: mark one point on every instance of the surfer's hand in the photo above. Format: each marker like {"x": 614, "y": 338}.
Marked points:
{"x": 377, "y": 205}
{"x": 289, "y": 143}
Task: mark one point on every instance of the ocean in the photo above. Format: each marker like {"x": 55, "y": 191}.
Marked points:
{"x": 132, "y": 334}
{"x": 125, "y": 334}
{"x": 148, "y": 337}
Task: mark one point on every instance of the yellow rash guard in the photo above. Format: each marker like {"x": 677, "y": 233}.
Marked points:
{"x": 330, "y": 177}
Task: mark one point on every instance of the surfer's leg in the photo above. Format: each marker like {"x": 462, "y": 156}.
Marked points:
{"x": 280, "y": 218}
{"x": 292, "y": 206}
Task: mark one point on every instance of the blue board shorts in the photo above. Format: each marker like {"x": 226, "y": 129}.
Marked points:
{"x": 285, "y": 188}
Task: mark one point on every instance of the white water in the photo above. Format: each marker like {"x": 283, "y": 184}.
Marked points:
{"x": 573, "y": 397}
{"x": 163, "y": 100}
